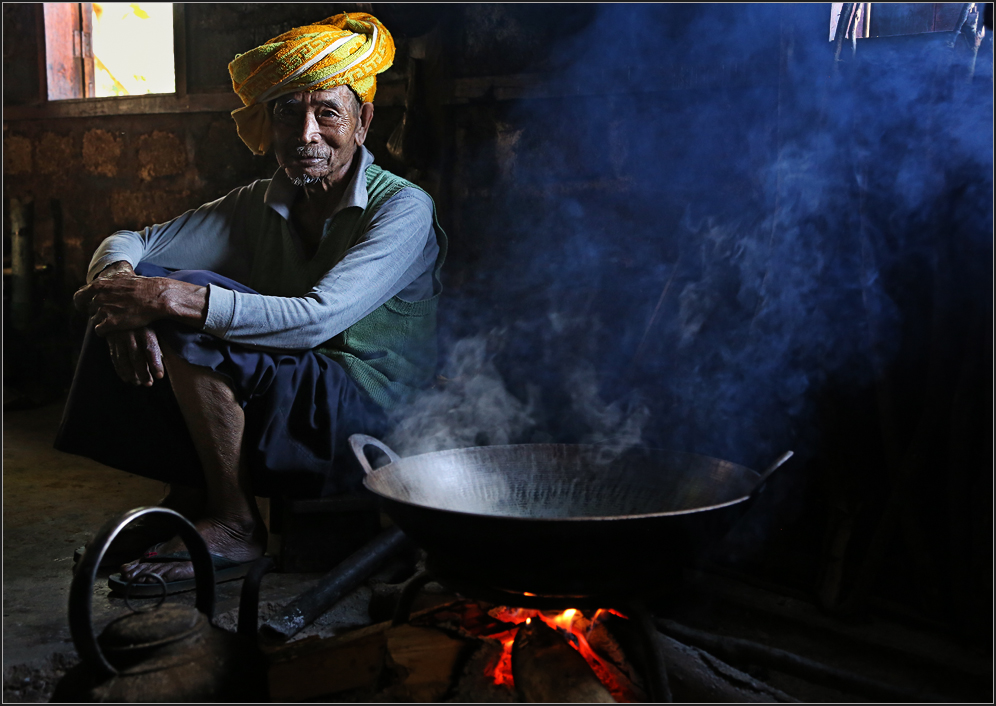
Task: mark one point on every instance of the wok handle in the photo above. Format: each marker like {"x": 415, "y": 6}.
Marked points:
{"x": 360, "y": 441}
{"x": 769, "y": 470}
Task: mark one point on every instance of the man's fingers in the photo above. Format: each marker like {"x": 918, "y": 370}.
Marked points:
{"x": 120, "y": 359}
{"x": 153, "y": 354}
{"x": 103, "y": 325}
{"x": 123, "y": 302}
{"x": 136, "y": 352}
{"x": 136, "y": 356}
{"x": 108, "y": 320}
{"x": 129, "y": 362}
{"x": 82, "y": 298}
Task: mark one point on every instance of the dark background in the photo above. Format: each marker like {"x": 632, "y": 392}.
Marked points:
{"x": 685, "y": 225}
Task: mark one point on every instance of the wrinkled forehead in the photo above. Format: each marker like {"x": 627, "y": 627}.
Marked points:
{"x": 335, "y": 97}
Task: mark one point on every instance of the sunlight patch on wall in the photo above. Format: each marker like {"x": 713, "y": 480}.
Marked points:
{"x": 133, "y": 48}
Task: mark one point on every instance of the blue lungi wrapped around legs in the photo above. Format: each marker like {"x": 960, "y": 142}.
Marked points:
{"x": 300, "y": 408}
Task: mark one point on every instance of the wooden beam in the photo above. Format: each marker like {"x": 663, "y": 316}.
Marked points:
{"x": 153, "y": 104}
{"x": 86, "y": 50}
{"x": 63, "y": 50}
{"x": 126, "y": 105}
{"x": 180, "y": 49}
{"x": 42, "y": 54}
{"x": 674, "y": 77}
{"x": 459, "y": 91}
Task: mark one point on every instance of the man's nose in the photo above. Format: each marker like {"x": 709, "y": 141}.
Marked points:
{"x": 309, "y": 128}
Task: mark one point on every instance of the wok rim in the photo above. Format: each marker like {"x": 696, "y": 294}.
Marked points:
{"x": 600, "y": 518}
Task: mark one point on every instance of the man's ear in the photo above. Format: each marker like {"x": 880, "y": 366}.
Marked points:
{"x": 366, "y": 117}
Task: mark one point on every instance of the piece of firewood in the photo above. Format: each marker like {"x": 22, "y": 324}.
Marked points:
{"x": 622, "y": 671}
{"x": 312, "y": 668}
{"x": 738, "y": 650}
{"x": 694, "y": 675}
{"x": 427, "y": 659}
{"x": 476, "y": 684}
{"x": 546, "y": 669}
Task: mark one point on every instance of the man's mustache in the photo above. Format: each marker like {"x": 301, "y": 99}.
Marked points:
{"x": 311, "y": 152}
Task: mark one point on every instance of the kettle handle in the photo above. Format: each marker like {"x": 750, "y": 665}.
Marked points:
{"x": 81, "y": 590}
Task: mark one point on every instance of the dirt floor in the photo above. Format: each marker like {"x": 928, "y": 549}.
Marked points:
{"x": 52, "y": 504}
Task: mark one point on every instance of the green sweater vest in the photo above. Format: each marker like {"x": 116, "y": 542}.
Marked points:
{"x": 391, "y": 352}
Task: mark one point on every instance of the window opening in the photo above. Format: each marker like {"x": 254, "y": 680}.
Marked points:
{"x": 862, "y": 22}
{"x": 891, "y": 19}
{"x": 98, "y": 50}
{"x": 133, "y": 48}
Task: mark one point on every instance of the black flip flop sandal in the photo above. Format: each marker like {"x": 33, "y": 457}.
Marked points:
{"x": 225, "y": 569}
{"x": 131, "y": 541}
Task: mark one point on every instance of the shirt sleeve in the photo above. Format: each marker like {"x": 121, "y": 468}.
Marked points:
{"x": 398, "y": 250}
{"x": 202, "y": 238}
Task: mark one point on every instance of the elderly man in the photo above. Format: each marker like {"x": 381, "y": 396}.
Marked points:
{"x": 246, "y": 339}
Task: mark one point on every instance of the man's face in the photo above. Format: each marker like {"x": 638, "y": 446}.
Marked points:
{"x": 315, "y": 134}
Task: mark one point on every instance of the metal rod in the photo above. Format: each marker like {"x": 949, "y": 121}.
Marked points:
{"x": 769, "y": 470}
{"x": 249, "y": 598}
{"x": 966, "y": 8}
{"x": 345, "y": 577}
{"x": 403, "y": 610}
{"x": 847, "y": 14}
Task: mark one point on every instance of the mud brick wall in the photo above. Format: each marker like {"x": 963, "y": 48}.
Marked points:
{"x": 120, "y": 172}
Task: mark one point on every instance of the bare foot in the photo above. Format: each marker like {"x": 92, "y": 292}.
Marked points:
{"x": 189, "y": 502}
{"x": 141, "y": 533}
{"x": 239, "y": 542}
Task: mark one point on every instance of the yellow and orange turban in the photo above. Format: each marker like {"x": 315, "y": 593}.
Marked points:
{"x": 344, "y": 50}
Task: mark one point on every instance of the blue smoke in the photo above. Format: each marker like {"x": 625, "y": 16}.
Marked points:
{"x": 796, "y": 214}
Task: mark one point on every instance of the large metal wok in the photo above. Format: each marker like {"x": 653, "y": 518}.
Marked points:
{"x": 560, "y": 520}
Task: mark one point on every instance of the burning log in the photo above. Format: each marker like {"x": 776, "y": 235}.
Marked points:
{"x": 466, "y": 652}
{"x": 587, "y": 635}
{"x": 547, "y": 669}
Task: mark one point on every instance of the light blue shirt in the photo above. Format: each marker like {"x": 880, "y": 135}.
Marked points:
{"x": 248, "y": 236}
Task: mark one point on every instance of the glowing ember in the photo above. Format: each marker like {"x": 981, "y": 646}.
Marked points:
{"x": 576, "y": 628}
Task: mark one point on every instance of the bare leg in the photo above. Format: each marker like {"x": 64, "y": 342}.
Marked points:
{"x": 189, "y": 502}
{"x": 231, "y": 523}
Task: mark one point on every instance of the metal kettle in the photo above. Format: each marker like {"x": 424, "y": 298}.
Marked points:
{"x": 172, "y": 653}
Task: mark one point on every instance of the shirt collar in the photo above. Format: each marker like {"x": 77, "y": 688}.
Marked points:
{"x": 281, "y": 193}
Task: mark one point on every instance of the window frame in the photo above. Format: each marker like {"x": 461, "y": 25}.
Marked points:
{"x": 867, "y": 25}
{"x": 177, "y": 102}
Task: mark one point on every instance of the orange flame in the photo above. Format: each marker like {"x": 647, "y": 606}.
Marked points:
{"x": 573, "y": 625}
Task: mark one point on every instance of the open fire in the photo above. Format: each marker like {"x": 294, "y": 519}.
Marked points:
{"x": 585, "y": 632}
